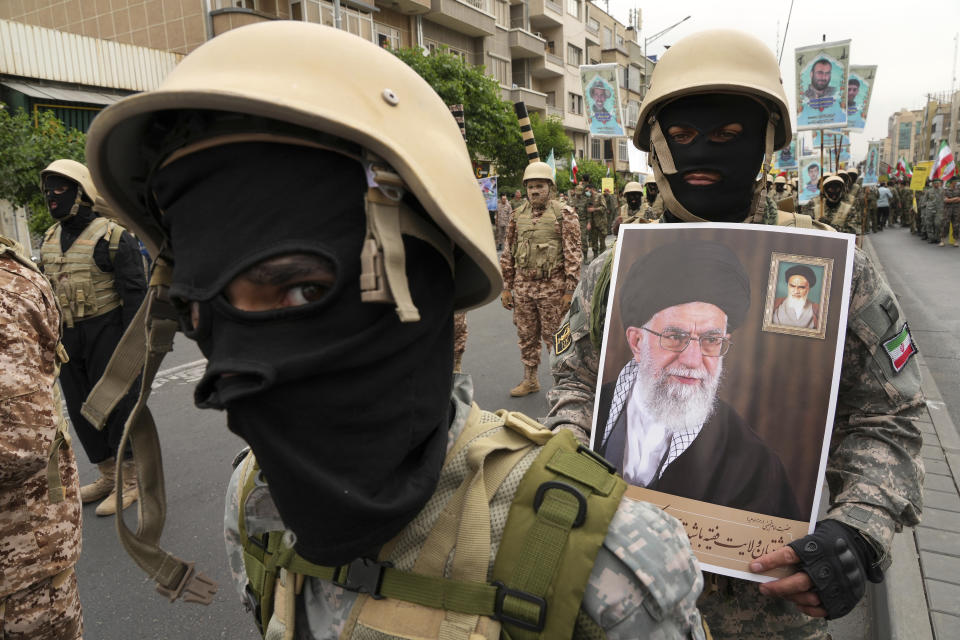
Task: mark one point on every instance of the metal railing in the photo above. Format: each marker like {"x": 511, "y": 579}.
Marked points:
{"x": 553, "y": 6}
{"x": 557, "y": 60}
{"x": 478, "y": 4}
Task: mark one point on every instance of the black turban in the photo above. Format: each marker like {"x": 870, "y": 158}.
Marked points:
{"x": 801, "y": 270}
{"x": 682, "y": 272}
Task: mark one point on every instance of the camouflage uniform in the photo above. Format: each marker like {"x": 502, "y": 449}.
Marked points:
{"x": 504, "y": 211}
{"x": 932, "y": 216}
{"x": 39, "y": 522}
{"x": 644, "y": 583}
{"x": 537, "y": 297}
{"x": 908, "y": 214}
{"x": 874, "y": 470}
{"x": 951, "y": 213}
{"x": 598, "y": 222}
{"x": 839, "y": 215}
{"x": 579, "y": 205}
{"x": 871, "y": 217}
{"x": 653, "y": 210}
{"x": 459, "y": 338}
{"x": 611, "y": 201}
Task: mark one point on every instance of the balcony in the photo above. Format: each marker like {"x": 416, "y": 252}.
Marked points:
{"x": 545, "y": 15}
{"x": 524, "y": 44}
{"x": 469, "y": 17}
{"x": 547, "y": 66}
{"x": 535, "y": 100}
{"x": 410, "y": 7}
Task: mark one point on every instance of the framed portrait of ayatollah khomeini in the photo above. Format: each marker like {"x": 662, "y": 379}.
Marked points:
{"x": 705, "y": 411}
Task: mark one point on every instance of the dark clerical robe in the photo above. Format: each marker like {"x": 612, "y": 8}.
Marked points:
{"x": 727, "y": 464}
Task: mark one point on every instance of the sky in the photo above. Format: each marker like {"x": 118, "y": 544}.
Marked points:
{"x": 912, "y": 44}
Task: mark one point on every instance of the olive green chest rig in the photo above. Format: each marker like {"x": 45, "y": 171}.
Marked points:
{"x": 82, "y": 289}
{"x": 435, "y": 579}
{"x": 539, "y": 248}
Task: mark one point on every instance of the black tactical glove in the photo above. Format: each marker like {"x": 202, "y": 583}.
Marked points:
{"x": 839, "y": 561}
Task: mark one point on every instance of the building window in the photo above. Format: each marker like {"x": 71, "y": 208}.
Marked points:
{"x": 574, "y": 55}
{"x": 551, "y": 98}
{"x": 633, "y": 112}
{"x": 387, "y": 37}
{"x": 619, "y": 41}
{"x": 500, "y": 70}
{"x": 596, "y": 148}
{"x": 235, "y": 4}
{"x": 576, "y": 103}
{"x": 622, "y": 152}
{"x": 573, "y": 7}
{"x": 607, "y": 38}
{"x": 593, "y": 25}
{"x": 356, "y": 22}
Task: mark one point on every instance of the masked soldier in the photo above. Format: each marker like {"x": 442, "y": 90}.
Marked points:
{"x": 540, "y": 265}
{"x": 596, "y": 210}
{"x": 631, "y": 210}
{"x": 836, "y": 211}
{"x": 360, "y": 516}
{"x": 715, "y": 109}
{"x": 39, "y": 489}
{"x": 653, "y": 203}
{"x": 97, "y": 274}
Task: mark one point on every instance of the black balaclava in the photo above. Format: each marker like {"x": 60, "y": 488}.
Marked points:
{"x": 652, "y": 191}
{"x": 634, "y": 200}
{"x": 737, "y": 161}
{"x": 72, "y": 200}
{"x": 346, "y": 408}
{"x": 780, "y": 187}
{"x": 833, "y": 191}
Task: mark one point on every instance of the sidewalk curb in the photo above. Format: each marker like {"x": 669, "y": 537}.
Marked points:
{"x": 899, "y": 608}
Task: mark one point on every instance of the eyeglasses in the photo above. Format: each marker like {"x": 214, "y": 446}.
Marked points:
{"x": 710, "y": 345}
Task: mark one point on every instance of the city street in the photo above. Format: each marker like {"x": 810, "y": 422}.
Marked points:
{"x": 120, "y": 603}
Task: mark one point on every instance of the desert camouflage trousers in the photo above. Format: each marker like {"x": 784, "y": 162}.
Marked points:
{"x": 950, "y": 217}
{"x": 735, "y": 610}
{"x": 537, "y": 312}
{"x": 459, "y": 334}
{"x": 46, "y": 610}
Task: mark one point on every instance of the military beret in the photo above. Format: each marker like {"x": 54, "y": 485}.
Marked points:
{"x": 682, "y": 272}
{"x": 801, "y": 270}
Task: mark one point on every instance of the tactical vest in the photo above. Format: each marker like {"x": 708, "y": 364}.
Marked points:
{"x": 556, "y": 521}
{"x": 83, "y": 290}
{"x": 539, "y": 248}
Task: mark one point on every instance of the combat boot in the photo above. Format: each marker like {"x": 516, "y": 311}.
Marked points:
{"x": 103, "y": 485}
{"x": 528, "y": 385}
{"x": 130, "y": 491}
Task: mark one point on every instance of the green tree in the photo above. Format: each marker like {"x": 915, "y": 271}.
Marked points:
{"x": 25, "y": 150}
{"x": 491, "y": 126}
{"x": 549, "y": 135}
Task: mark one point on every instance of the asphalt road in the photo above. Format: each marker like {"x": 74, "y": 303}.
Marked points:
{"x": 120, "y": 602}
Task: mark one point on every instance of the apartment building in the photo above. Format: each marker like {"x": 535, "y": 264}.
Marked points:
{"x": 903, "y": 127}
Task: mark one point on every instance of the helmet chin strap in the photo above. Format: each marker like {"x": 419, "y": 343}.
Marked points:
{"x": 663, "y": 165}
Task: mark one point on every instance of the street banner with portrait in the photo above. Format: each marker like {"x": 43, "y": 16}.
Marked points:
{"x": 809, "y": 174}
{"x": 489, "y": 188}
{"x": 822, "y": 73}
{"x": 719, "y": 372}
{"x": 859, "y": 90}
{"x": 829, "y": 145}
{"x": 871, "y": 166}
{"x": 601, "y": 93}
{"x": 806, "y": 147}
{"x": 786, "y": 158}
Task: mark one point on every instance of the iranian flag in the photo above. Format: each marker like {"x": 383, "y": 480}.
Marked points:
{"x": 573, "y": 168}
{"x": 900, "y": 348}
{"x": 903, "y": 169}
{"x": 944, "y": 168}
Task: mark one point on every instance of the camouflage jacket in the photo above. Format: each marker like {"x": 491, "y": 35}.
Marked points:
{"x": 652, "y": 210}
{"x": 951, "y": 192}
{"x": 874, "y": 469}
{"x": 596, "y": 202}
{"x": 39, "y": 522}
{"x": 644, "y": 583}
{"x": 569, "y": 231}
{"x": 931, "y": 201}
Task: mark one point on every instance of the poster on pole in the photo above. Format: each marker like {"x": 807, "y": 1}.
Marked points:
{"x": 601, "y": 92}
{"x": 859, "y": 90}
{"x": 871, "y": 167}
{"x": 806, "y": 147}
{"x": 921, "y": 171}
{"x": 809, "y": 179}
{"x": 830, "y": 139}
{"x": 742, "y": 472}
{"x": 786, "y": 158}
{"x": 489, "y": 188}
{"x": 822, "y": 73}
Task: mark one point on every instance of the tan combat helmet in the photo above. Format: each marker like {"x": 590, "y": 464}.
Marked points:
{"x": 714, "y": 61}
{"x": 538, "y": 171}
{"x": 282, "y": 71}
{"x": 632, "y": 187}
{"x": 779, "y": 180}
{"x": 650, "y": 179}
{"x": 77, "y": 172}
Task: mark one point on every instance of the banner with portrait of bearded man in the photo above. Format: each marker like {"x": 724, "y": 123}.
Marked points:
{"x": 822, "y": 74}
{"x": 708, "y": 408}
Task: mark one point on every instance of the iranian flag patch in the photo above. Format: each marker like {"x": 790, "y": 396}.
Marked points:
{"x": 900, "y": 347}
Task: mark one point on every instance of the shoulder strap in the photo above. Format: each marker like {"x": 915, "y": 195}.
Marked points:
{"x": 539, "y": 579}
{"x": 116, "y": 232}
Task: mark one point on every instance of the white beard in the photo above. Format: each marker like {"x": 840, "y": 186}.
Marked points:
{"x": 682, "y": 407}
{"x": 796, "y": 305}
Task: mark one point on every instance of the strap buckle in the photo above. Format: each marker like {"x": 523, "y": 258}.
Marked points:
{"x": 498, "y": 614}
{"x": 596, "y": 457}
{"x": 563, "y": 486}
{"x": 194, "y": 586}
{"x": 363, "y": 575}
